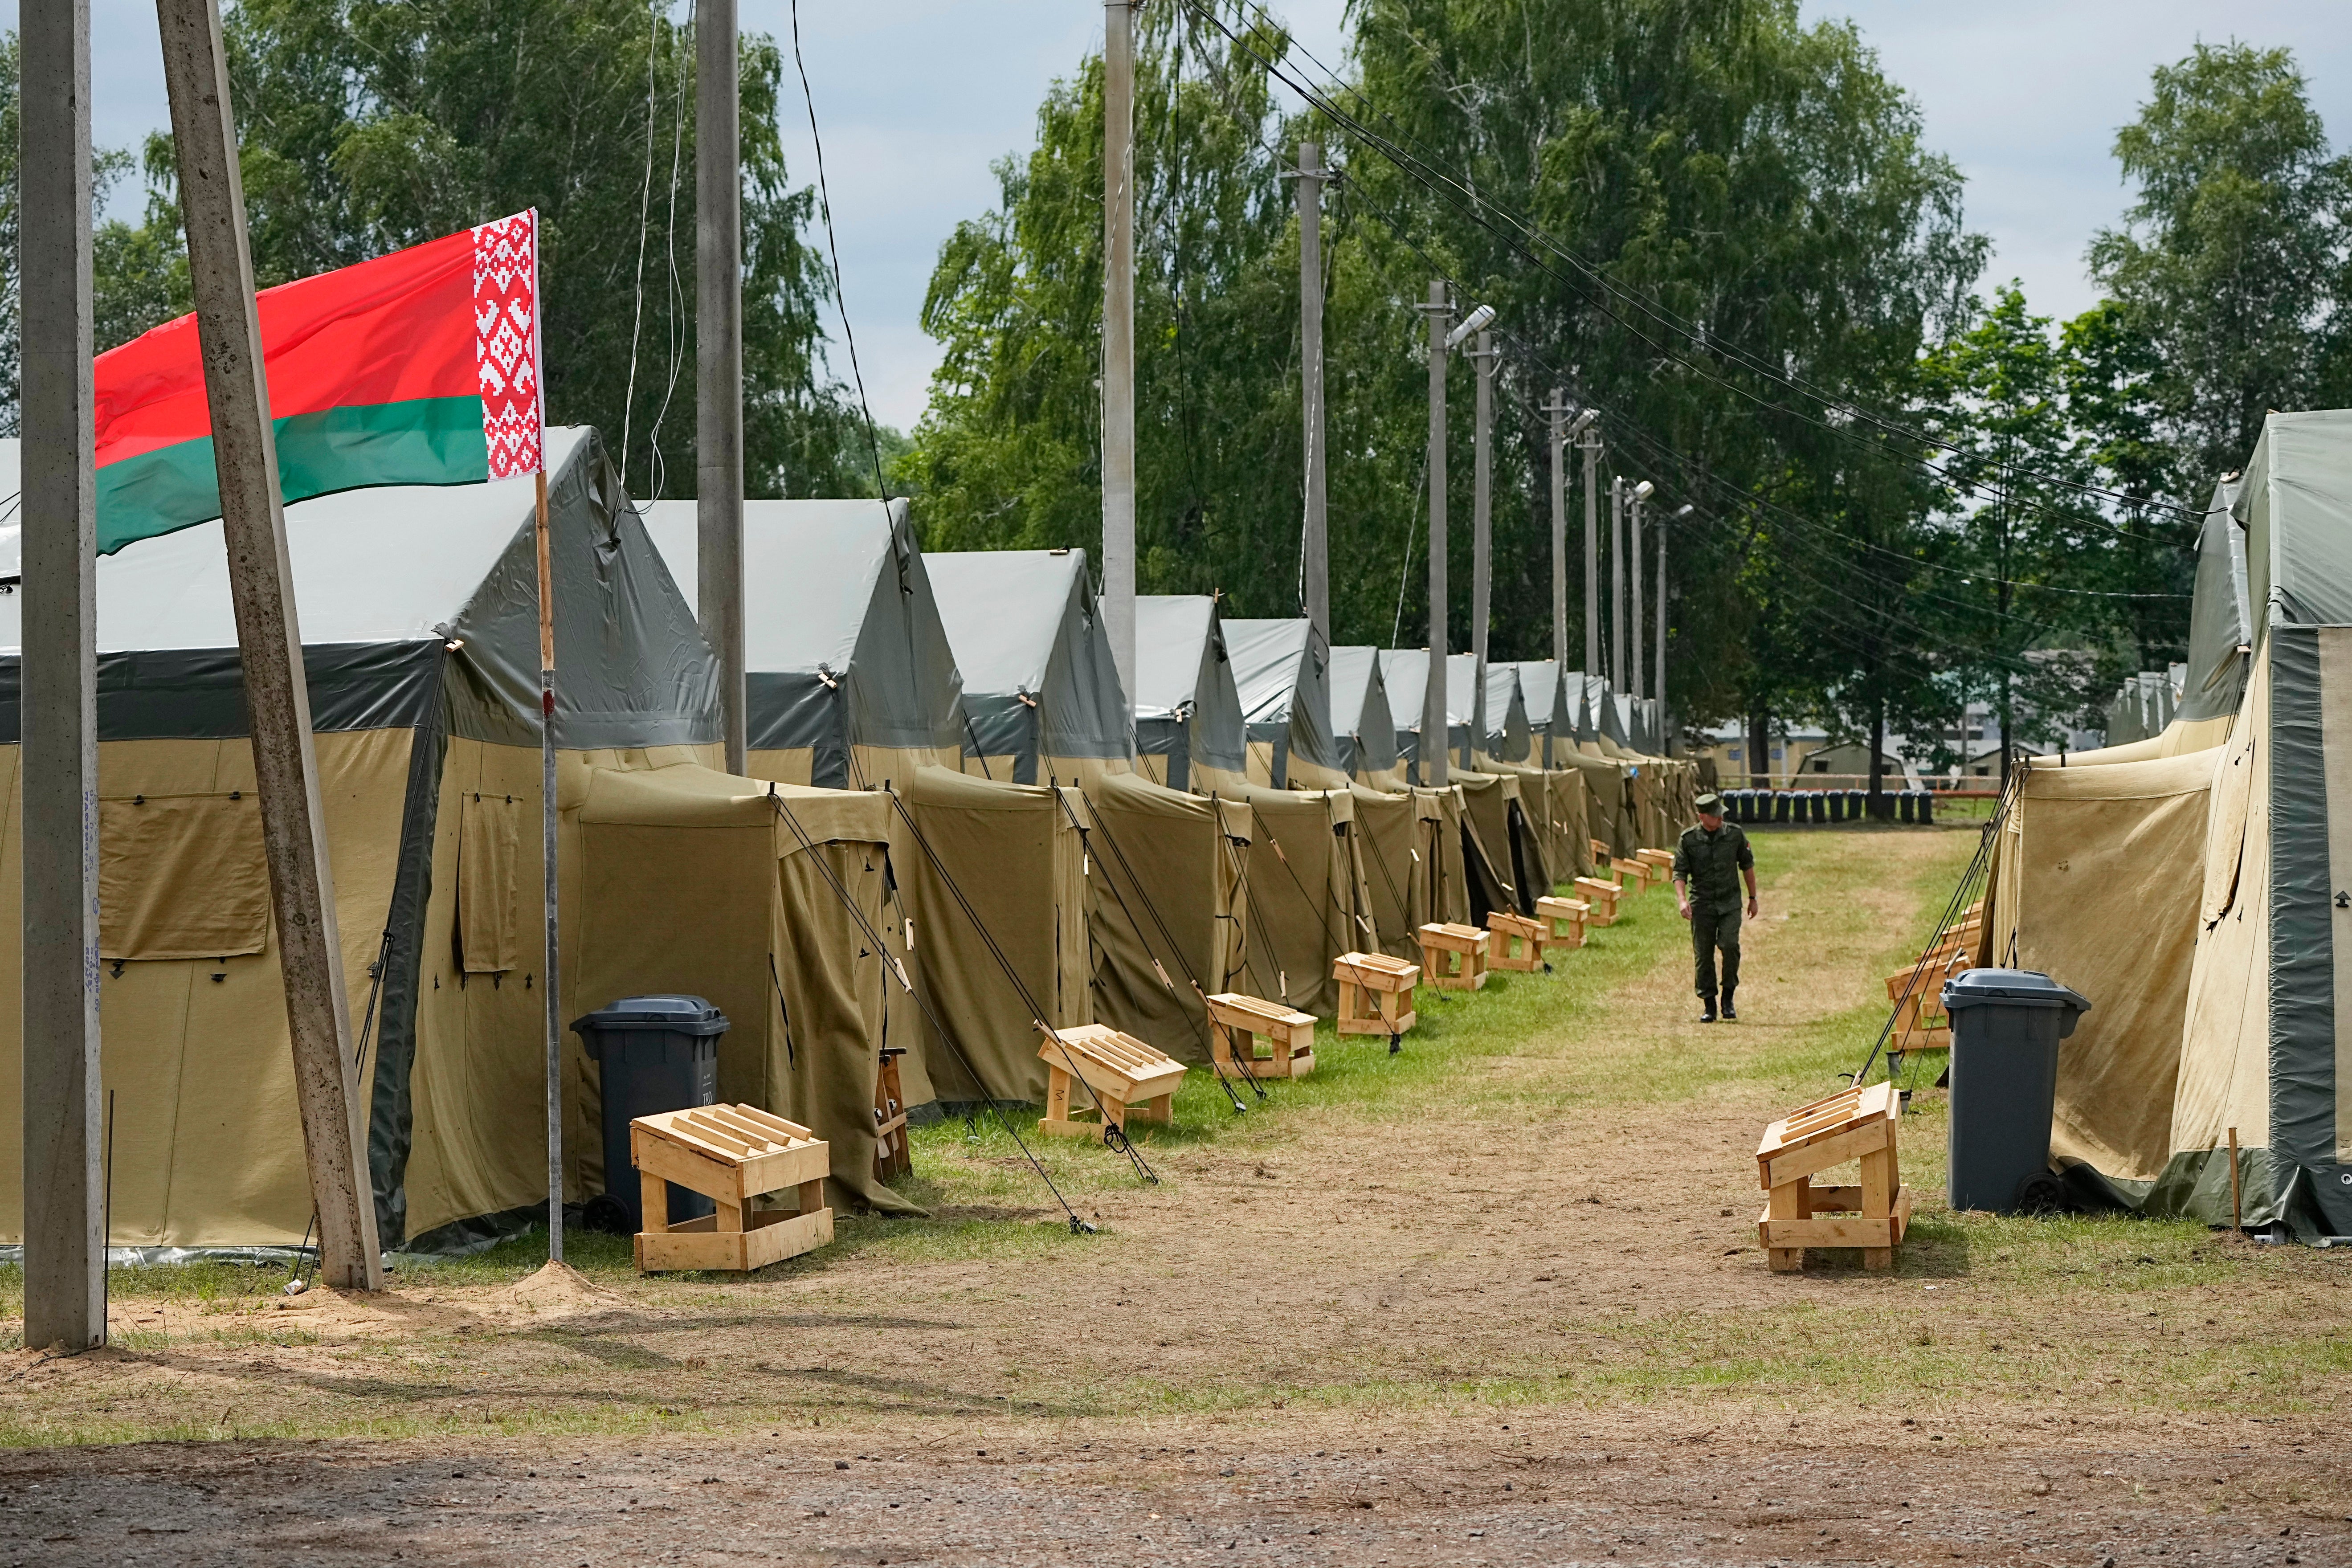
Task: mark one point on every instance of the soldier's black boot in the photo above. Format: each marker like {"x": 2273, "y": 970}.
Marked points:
{"x": 1731, "y": 1013}
{"x": 1708, "y": 1015}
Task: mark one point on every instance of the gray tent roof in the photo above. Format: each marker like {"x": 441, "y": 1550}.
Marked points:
{"x": 2295, "y": 502}
{"x": 1362, "y": 722}
{"x": 1540, "y": 689}
{"x": 1184, "y": 691}
{"x": 1509, "y": 727}
{"x": 411, "y": 596}
{"x": 1284, "y": 673}
{"x": 2221, "y": 620}
{"x": 1405, "y": 672}
{"x": 1023, "y": 626}
{"x": 843, "y": 643}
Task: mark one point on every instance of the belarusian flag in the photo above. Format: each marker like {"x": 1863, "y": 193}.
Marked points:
{"x": 416, "y": 368}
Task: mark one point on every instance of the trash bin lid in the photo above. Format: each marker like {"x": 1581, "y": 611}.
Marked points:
{"x": 2010, "y": 988}
{"x": 681, "y": 1015}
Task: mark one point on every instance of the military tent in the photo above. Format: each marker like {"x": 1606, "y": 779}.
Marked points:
{"x": 996, "y": 882}
{"x": 1042, "y": 699}
{"x": 1388, "y": 838}
{"x": 1283, "y": 671}
{"x": 1364, "y": 722}
{"x": 1187, "y": 716}
{"x": 1306, "y": 895}
{"x": 764, "y": 898}
{"x": 1508, "y": 735}
{"x": 1404, "y": 672}
{"x": 419, "y": 610}
{"x": 1169, "y": 911}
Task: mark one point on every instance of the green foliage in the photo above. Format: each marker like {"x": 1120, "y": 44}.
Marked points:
{"x": 2234, "y": 263}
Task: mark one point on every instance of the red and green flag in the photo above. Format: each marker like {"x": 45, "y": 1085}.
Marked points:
{"x": 417, "y": 368}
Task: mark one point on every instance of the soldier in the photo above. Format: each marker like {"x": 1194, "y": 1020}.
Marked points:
{"x": 1709, "y": 864}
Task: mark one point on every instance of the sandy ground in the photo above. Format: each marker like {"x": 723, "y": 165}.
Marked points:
{"x": 1399, "y": 1334}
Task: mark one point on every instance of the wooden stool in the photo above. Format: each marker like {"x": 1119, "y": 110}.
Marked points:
{"x": 1859, "y": 1122}
{"x": 1565, "y": 918}
{"x": 1917, "y": 994}
{"x": 730, "y": 1154}
{"x": 1236, "y": 1023}
{"x": 1129, "y": 1080}
{"x": 1601, "y": 898}
{"x": 1466, "y": 969}
{"x": 1504, "y": 928}
{"x": 1388, "y": 981}
{"x": 892, "y": 1154}
{"x": 1599, "y": 852}
{"x": 1660, "y": 862}
{"x": 1637, "y": 873}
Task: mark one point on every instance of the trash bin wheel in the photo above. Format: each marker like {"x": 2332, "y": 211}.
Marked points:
{"x": 606, "y": 1216}
{"x": 2042, "y": 1194}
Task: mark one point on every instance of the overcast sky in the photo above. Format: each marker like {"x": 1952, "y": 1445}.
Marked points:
{"x": 916, "y": 99}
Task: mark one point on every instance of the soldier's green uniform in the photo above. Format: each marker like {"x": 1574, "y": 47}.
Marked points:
{"x": 1710, "y": 865}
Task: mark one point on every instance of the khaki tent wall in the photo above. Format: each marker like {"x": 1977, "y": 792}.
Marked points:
{"x": 1306, "y": 892}
{"x": 1171, "y": 895}
{"x": 2098, "y": 865}
{"x": 1608, "y": 797}
{"x": 2179, "y": 738}
{"x": 208, "y": 1145}
{"x": 1387, "y": 844}
{"x": 1014, "y": 854}
{"x": 696, "y": 882}
{"x": 2225, "y": 1059}
{"x": 1456, "y": 879}
{"x": 1535, "y": 837}
{"x": 1571, "y": 821}
{"x": 1487, "y": 801}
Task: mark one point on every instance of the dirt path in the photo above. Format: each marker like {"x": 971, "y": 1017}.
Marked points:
{"x": 1512, "y": 1312}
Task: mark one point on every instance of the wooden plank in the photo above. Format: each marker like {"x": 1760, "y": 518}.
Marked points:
{"x": 1828, "y": 1231}
{"x": 652, "y": 1197}
{"x": 1803, "y": 1161}
{"x": 776, "y": 1125}
{"x": 775, "y": 1235}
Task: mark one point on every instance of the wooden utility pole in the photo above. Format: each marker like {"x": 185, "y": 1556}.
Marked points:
{"x": 1556, "y": 417}
{"x": 551, "y": 955}
{"x": 63, "y": 1216}
{"x": 1315, "y": 553}
{"x": 1119, "y": 339}
{"x": 1482, "y": 540}
{"x": 719, "y": 362}
{"x": 270, "y": 643}
{"x": 1432, "y": 698}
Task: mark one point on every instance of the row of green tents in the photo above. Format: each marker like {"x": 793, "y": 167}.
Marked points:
{"x": 2196, "y": 883}
{"x": 944, "y": 785}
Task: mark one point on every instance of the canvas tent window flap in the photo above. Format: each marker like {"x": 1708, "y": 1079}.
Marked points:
{"x": 488, "y": 849}
{"x": 182, "y": 876}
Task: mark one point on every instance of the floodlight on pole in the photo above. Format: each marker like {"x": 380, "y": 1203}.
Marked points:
{"x": 1644, "y": 491}
{"x": 1482, "y": 317}
{"x": 1583, "y": 423}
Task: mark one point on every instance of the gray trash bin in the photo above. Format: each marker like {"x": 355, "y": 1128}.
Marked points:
{"x": 2006, "y": 1026}
{"x": 657, "y": 1054}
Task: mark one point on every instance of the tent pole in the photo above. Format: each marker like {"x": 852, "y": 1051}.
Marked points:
{"x": 269, "y": 645}
{"x": 552, "y": 996}
{"x": 64, "y": 1226}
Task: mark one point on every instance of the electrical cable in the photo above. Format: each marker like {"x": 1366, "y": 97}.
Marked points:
{"x": 654, "y": 18}
{"x": 840, "y": 302}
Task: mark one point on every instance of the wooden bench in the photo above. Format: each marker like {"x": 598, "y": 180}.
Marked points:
{"x": 1236, "y": 1024}
{"x": 1636, "y": 874}
{"x": 1858, "y": 1123}
{"x": 1660, "y": 862}
{"x": 1455, "y": 956}
{"x": 730, "y": 1154}
{"x": 1387, "y": 981}
{"x": 1601, "y": 898}
{"x": 1129, "y": 1080}
{"x": 1565, "y": 917}
{"x": 1517, "y": 942}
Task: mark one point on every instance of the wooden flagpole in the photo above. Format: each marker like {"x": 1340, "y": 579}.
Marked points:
{"x": 547, "y": 820}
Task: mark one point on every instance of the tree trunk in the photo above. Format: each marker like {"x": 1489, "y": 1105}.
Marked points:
{"x": 1759, "y": 747}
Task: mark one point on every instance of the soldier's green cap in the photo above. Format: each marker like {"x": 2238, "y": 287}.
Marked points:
{"x": 1710, "y": 804}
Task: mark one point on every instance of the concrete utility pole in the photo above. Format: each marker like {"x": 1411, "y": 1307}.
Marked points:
{"x": 1635, "y": 681}
{"x": 1660, "y": 687}
{"x": 1482, "y": 541}
{"x": 270, "y": 643}
{"x": 1591, "y": 547}
{"x": 1119, "y": 339}
{"x": 1432, "y": 698}
{"x": 1617, "y": 581}
{"x": 718, "y": 362}
{"x": 1315, "y": 550}
{"x": 64, "y": 1218}
{"x": 1556, "y": 414}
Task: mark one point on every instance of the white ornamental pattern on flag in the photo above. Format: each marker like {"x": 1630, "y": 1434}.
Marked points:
{"x": 507, "y": 343}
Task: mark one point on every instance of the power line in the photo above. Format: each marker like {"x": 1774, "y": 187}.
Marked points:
{"x": 833, "y": 247}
